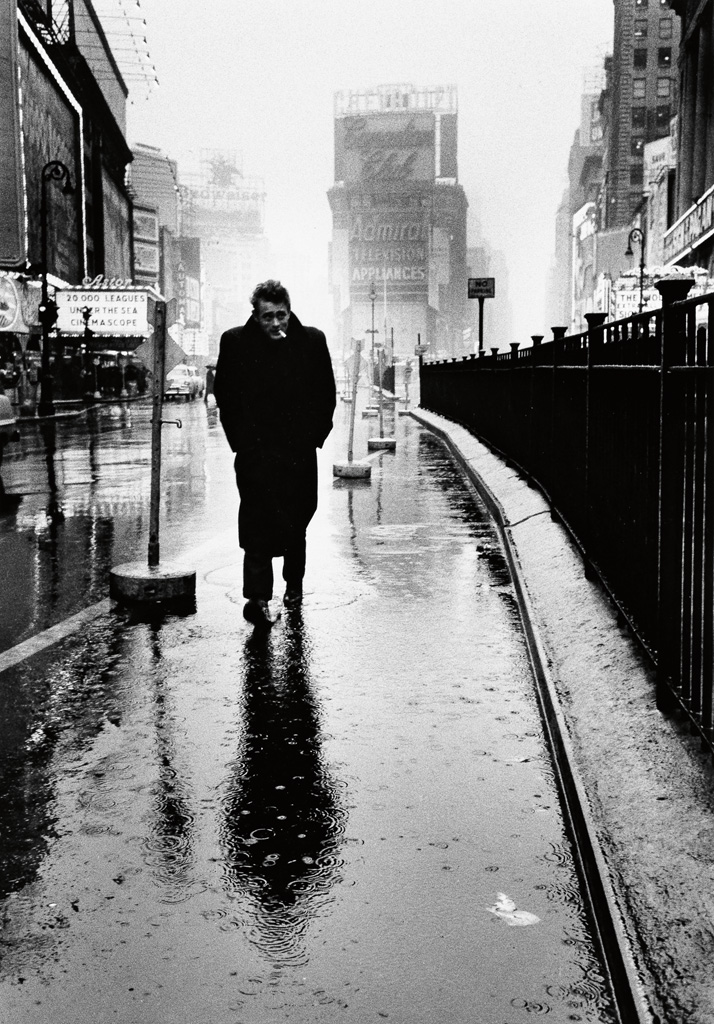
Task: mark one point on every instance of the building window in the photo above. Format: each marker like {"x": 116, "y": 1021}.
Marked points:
{"x": 637, "y": 148}
{"x": 639, "y": 88}
{"x": 636, "y": 174}
{"x": 665, "y": 28}
{"x": 640, "y": 28}
{"x": 639, "y": 58}
{"x": 641, "y": 3}
{"x": 663, "y": 116}
{"x": 664, "y": 88}
{"x": 639, "y": 117}
{"x": 664, "y": 57}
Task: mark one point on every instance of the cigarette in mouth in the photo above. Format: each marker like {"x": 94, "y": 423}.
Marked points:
{"x": 282, "y": 334}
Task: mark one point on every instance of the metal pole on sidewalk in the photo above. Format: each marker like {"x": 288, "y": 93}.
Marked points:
{"x": 350, "y": 469}
{"x": 139, "y": 583}
{"x": 381, "y": 397}
{"x": 355, "y": 376}
{"x": 158, "y": 379}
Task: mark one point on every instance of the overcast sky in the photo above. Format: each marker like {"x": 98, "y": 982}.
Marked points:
{"x": 258, "y": 77}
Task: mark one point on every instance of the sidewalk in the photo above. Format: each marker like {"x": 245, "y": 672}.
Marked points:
{"x": 74, "y": 407}
{"x": 649, "y": 785}
{"x": 352, "y": 816}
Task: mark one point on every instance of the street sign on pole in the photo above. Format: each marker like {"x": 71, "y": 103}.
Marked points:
{"x": 481, "y": 288}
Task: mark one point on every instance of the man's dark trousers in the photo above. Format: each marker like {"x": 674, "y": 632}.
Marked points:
{"x": 258, "y": 571}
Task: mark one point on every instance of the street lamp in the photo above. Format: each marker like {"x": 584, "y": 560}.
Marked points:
{"x": 637, "y": 235}
{"x": 55, "y": 170}
{"x": 372, "y": 298}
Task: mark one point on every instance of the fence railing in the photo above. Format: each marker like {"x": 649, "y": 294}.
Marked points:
{"x": 616, "y": 426}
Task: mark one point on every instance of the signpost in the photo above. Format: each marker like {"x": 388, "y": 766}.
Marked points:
{"x": 352, "y": 469}
{"x": 481, "y": 288}
{"x": 150, "y": 582}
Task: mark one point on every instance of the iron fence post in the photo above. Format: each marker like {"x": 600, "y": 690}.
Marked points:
{"x": 708, "y": 573}
{"x": 596, "y": 337}
{"x": 557, "y": 347}
{"x": 534, "y": 440}
{"x": 671, "y": 432}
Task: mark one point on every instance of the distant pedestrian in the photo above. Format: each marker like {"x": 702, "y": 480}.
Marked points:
{"x": 210, "y": 378}
{"x": 275, "y": 389}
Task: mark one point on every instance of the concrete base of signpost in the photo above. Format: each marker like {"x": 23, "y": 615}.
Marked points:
{"x": 352, "y": 470}
{"x": 375, "y": 444}
{"x": 137, "y": 583}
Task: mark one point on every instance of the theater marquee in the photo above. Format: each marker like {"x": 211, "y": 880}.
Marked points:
{"x": 122, "y": 312}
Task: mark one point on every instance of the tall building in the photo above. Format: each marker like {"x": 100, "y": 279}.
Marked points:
{"x": 54, "y": 106}
{"x": 225, "y": 210}
{"x": 399, "y": 220}
{"x": 690, "y": 240}
{"x": 639, "y": 101}
{"x": 576, "y": 210}
{"x": 163, "y": 257}
{"x": 64, "y": 205}
{"x": 153, "y": 183}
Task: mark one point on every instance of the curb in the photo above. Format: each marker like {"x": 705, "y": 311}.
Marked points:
{"x": 647, "y": 786}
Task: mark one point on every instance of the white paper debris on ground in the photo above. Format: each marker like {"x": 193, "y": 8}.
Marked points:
{"x": 505, "y": 908}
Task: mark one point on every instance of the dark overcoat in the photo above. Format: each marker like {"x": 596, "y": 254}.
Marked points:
{"x": 276, "y": 402}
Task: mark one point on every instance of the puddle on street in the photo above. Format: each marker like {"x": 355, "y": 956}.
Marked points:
{"x": 353, "y": 815}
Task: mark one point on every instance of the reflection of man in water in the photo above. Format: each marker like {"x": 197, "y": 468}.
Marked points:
{"x": 282, "y": 822}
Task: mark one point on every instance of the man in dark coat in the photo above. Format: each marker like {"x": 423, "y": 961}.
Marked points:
{"x": 275, "y": 390}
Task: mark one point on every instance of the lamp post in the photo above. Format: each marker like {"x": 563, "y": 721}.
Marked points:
{"x": 55, "y": 170}
{"x": 372, "y": 298}
{"x": 637, "y": 235}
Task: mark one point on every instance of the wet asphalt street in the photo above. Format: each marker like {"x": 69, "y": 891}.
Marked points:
{"x": 352, "y": 818}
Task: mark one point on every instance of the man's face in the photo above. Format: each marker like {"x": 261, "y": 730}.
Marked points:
{"x": 273, "y": 319}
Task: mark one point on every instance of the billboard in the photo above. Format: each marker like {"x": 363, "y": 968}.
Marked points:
{"x": 385, "y": 147}
{"x": 389, "y": 248}
{"x": 12, "y": 229}
{"x": 117, "y": 235}
{"x": 692, "y": 228}
{"x": 223, "y": 210}
{"x": 145, "y": 221}
{"x": 187, "y": 278}
{"x": 115, "y": 312}
{"x": 19, "y": 304}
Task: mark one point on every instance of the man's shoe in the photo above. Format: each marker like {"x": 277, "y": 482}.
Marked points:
{"x": 293, "y": 596}
{"x": 258, "y": 613}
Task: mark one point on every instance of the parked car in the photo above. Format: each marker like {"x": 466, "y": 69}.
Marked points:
{"x": 185, "y": 382}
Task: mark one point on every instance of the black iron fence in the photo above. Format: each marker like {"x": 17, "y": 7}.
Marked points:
{"x": 616, "y": 426}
